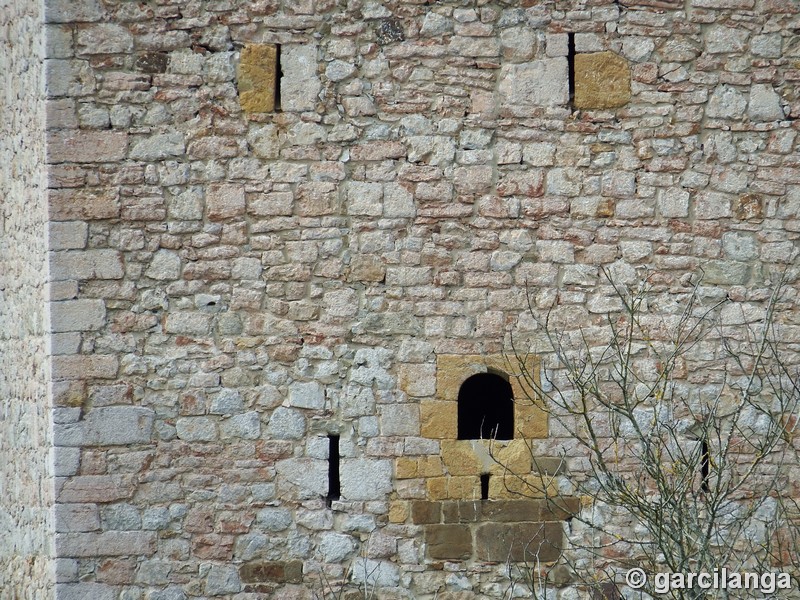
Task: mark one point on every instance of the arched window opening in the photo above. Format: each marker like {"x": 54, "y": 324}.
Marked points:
{"x": 485, "y": 408}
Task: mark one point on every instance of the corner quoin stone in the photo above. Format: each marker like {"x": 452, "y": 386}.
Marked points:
{"x": 602, "y": 80}
{"x": 258, "y": 69}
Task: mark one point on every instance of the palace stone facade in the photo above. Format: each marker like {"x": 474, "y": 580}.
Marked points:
{"x": 251, "y": 250}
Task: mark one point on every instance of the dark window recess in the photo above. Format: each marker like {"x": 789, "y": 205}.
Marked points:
{"x": 485, "y": 486}
{"x": 278, "y": 77}
{"x": 571, "y": 67}
{"x": 705, "y": 466}
{"x": 485, "y": 408}
{"x": 334, "y": 485}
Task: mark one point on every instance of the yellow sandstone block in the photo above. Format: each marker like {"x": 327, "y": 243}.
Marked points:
{"x": 460, "y": 458}
{"x": 257, "y": 72}
{"x": 436, "y": 488}
{"x": 429, "y": 466}
{"x": 514, "y": 456}
{"x": 464, "y": 488}
{"x": 405, "y": 468}
{"x": 516, "y": 487}
{"x": 398, "y": 511}
{"x": 602, "y": 80}
{"x": 438, "y": 420}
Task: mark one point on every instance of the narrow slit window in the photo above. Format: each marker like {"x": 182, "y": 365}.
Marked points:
{"x": 485, "y": 486}
{"x": 334, "y": 484}
{"x": 571, "y": 67}
{"x": 485, "y": 408}
{"x": 278, "y": 77}
{"x": 705, "y": 466}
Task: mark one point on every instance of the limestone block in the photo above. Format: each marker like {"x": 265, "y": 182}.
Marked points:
{"x": 159, "y": 147}
{"x": 222, "y": 579}
{"x": 101, "y": 366}
{"x": 286, "y": 424}
{"x": 196, "y": 429}
{"x": 83, "y": 204}
{"x": 307, "y": 395}
{"x": 400, "y": 419}
{"x": 246, "y": 426}
{"x": 68, "y": 78}
{"x": 68, "y": 235}
{"x": 712, "y": 205}
{"x": 82, "y": 591}
{"x": 77, "y": 315}
{"x": 103, "y": 38}
{"x": 602, "y": 80}
{"x": 726, "y": 102}
{"x": 188, "y": 323}
{"x": 740, "y": 245}
{"x": 108, "y": 426}
{"x": 448, "y": 542}
{"x": 336, "y": 547}
{"x": 224, "y": 201}
{"x": 765, "y": 103}
{"x": 365, "y": 479}
{"x": 376, "y": 574}
{"x": 73, "y": 11}
{"x": 537, "y": 83}
{"x": 365, "y": 199}
{"x": 96, "y": 488}
{"x": 311, "y": 475}
{"x": 77, "y": 517}
{"x": 274, "y": 519}
{"x": 723, "y": 40}
{"x": 82, "y": 146}
{"x": 165, "y": 266}
{"x": 300, "y": 84}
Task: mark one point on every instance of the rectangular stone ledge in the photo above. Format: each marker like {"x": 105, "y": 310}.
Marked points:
{"x": 518, "y": 542}
{"x": 265, "y": 571}
{"x": 82, "y": 591}
{"x": 109, "y": 543}
{"x": 94, "y": 488}
{"x": 100, "y": 366}
{"x": 424, "y": 512}
{"x": 78, "y": 146}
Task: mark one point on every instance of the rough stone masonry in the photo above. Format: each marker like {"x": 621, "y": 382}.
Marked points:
{"x": 270, "y": 234}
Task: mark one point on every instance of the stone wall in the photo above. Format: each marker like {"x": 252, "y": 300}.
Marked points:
{"x": 277, "y": 224}
{"x": 26, "y": 478}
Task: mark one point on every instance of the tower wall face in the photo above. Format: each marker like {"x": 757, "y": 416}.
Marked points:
{"x": 26, "y": 478}
{"x": 231, "y": 288}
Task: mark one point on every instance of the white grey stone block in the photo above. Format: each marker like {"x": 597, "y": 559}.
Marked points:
{"x": 765, "y": 103}
{"x": 246, "y": 426}
{"x": 365, "y": 478}
{"x": 222, "y": 579}
{"x": 537, "y": 83}
{"x": 108, "y": 426}
{"x": 308, "y": 474}
{"x": 84, "y": 591}
{"x": 196, "y": 429}
{"x": 77, "y": 315}
{"x": 68, "y": 235}
{"x": 300, "y": 91}
{"x": 159, "y": 147}
{"x": 307, "y": 395}
{"x": 286, "y": 424}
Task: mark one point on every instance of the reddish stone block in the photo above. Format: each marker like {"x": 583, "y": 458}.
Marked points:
{"x": 448, "y": 542}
